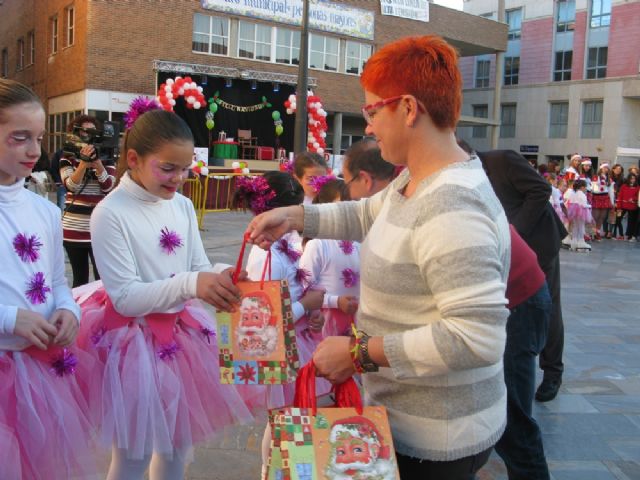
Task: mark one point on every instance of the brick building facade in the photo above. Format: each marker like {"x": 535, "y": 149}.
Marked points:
{"x": 95, "y": 56}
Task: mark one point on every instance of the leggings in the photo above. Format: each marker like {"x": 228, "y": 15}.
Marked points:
{"x": 79, "y": 254}
{"x": 160, "y": 466}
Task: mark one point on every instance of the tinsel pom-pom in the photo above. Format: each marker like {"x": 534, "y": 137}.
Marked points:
{"x": 170, "y": 241}
{"x": 27, "y": 247}
{"x": 285, "y": 248}
{"x": 64, "y": 364}
{"x": 257, "y": 191}
{"x": 169, "y": 351}
{"x": 350, "y": 277}
{"x": 37, "y": 289}
{"x": 138, "y": 106}
{"x": 320, "y": 181}
{"x": 346, "y": 246}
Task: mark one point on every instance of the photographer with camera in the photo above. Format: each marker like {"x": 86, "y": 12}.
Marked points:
{"x": 87, "y": 178}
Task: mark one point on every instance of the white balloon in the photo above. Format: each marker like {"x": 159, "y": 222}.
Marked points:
{"x": 181, "y": 91}
{"x": 200, "y": 89}
{"x": 204, "y": 171}
{"x": 193, "y": 85}
{"x": 169, "y": 95}
{"x": 172, "y": 102}
{"x": 235, "y": 165}
{"x": 321, "y": 112}
{"x": 246, "y": 171}
{"x": 170, "y": 81}
{"x": 323, "y": 134}
{"x": 167, "y": 88}
{"x": 316, "y": 145}
{"x": 191, "y": 99}
{"x": 289, "y": 111}
{"x": 320, "y": 151}
{"x": 196, "y": 105}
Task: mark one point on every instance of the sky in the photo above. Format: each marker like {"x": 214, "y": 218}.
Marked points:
{"x": 457, "y": 4}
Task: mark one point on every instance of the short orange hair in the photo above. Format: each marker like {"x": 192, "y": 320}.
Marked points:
{"x": 425, "y": 67}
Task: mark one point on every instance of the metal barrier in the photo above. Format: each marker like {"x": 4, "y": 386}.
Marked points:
{"x": 213, "y": 193}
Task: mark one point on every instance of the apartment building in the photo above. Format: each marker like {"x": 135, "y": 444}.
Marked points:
{"x": 95, "y": 56}
{"x": 571, "y": 80}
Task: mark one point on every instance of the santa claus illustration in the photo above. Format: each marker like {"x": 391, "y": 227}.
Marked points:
{"x": 256, "y": 335}
{"x": 358, "y": 452}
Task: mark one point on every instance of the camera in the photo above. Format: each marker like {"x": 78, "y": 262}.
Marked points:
{"x": 104, "y": 142}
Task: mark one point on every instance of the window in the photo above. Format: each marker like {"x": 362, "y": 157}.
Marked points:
{"x": 324, "y": 52}
{"x": 70, "y": 19}
{"x": 558, "y": 120}
{"x": 356, "y": 55}
{"x": 57, "y": 127}
{"x": 288, "y": 46}
{"x": 566, "y": 20}
{"x": 562, "y": 69}
{"x": 511, "y": 70}
{"x": 483, "y": 68}
{"x": 508, "y": 121}
{"x": 20, "y": 57}
{"x": 592, "y": 119}
{"x": 31, "y": 37}
{"x": 210, "y": 34}
{"x": 54, "y": 34}
{"x": 600, "y": 13}
{"x": 254, "y": 41}
{"x": 5, "y": 63}
{"x": 514, "y": 20}
{"x": 597, "y": 62}
{"x": 481, "y": 111}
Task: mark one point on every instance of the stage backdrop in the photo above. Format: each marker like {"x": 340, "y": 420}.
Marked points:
{"x": 240, "y": 93}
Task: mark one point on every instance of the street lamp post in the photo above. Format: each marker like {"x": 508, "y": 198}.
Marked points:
{"x": 300, "y": 130}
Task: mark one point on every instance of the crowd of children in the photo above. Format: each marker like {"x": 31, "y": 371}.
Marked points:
{"x": 139, "y": 374}
{"x": 595, "y": 206}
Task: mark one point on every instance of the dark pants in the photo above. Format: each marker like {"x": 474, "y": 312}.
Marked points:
{"x": 551, "y": 355}
{"x": 521, "y": 444}
{"x": 462, "y": 469}
{"x": 79, "y": 255}
{"x": 618, "y": 230}
{"x": 632, "y": 221}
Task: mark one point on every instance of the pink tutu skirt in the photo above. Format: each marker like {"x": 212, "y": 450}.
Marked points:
{"x": 578, "y": 212}
{"x": 560, "y": 212}
{"x": 159, "y": 394}
{"x": 336, "y": 322}
{"x": 45, "y": 428}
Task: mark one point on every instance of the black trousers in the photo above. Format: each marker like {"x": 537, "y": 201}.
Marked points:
{"x": 551, "y": 356}
{"x": 79, "y": 254}
{"x": 462, "y": 469}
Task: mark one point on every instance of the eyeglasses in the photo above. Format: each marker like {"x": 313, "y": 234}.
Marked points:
{"x": 368, "y": 111}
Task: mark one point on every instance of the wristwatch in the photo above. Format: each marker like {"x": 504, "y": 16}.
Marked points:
{"x": 367, "y": 364}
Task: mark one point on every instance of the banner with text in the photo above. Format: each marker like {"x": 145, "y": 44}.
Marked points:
{"x": 323, "y": 15}
{"x": 412, "y": 9}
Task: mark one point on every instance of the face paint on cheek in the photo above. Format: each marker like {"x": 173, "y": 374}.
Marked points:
{"x": 159, "y": 174}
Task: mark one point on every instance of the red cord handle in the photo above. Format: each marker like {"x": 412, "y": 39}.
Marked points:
{"x": 267, "y": 263}
{"x": 347, "y": 394}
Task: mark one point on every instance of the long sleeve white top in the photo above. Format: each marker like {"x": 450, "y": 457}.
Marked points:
{"x": 141, "y": 276}
{"x": 326, "y": 262}
{"x": 24, "y": 212}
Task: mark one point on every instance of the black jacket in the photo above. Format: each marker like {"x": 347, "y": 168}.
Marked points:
{"x": 524, "y": 195}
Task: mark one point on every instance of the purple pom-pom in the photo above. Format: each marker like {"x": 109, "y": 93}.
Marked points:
{"x": 138, "y": 106}
{"x": 302, "y": 276}
{"x": 350, "y": 278}
{"x": 320, "y": 181}
{"x": 64, "y": 364}
{"x": 346, "y": 246}
{"x": 169, "y": 241}
{"x": 27, "y": 247}
{"x": 207, "y": 332}
{"x": 37, "y": 289}
{"x": 169, "y": 351}
{"x": 97, "y": 336}
{"x": 257, "y": 191}
{"x": 291, "y": 253}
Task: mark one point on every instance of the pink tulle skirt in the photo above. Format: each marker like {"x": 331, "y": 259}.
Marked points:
{"x": 159, "y": 397}
{"x": 45, "y": 425}
{"x": 578, "y": 212}
{"x": 336, "y": 322}
{"x": 560, "y": 212}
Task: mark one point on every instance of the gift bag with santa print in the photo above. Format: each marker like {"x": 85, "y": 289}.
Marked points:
{"x": 347, "y": 441}
{"x": 257, "y": 342}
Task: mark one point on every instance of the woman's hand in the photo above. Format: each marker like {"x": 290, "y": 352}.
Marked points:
{"x": 67, "y": 325}
{"x": 348, "y": 304}
{"x": 218, "y": 290}
{"x": 333, "y": 359}
{"x": 35, "y": 328}
{"x": 268, "y": 227}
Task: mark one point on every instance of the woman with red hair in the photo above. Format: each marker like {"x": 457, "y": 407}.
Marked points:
{"x": 434, "y": 263}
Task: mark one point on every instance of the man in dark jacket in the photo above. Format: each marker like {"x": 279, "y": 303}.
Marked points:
{"x": 525, "y": 198}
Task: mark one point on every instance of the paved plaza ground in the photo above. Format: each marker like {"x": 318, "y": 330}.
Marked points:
{"x": 591, "y": 430}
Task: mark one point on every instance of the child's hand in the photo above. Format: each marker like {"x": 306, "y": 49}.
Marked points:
{"x": 34, "y": 327}
{"x": 218, "y": 290}
{"x": 348, "y": 304}
{"x": 67, "y": 325}
{"x": 312, "y": 300}
{"x": 242, "y": 276}
{"x": 315, "y": 321}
